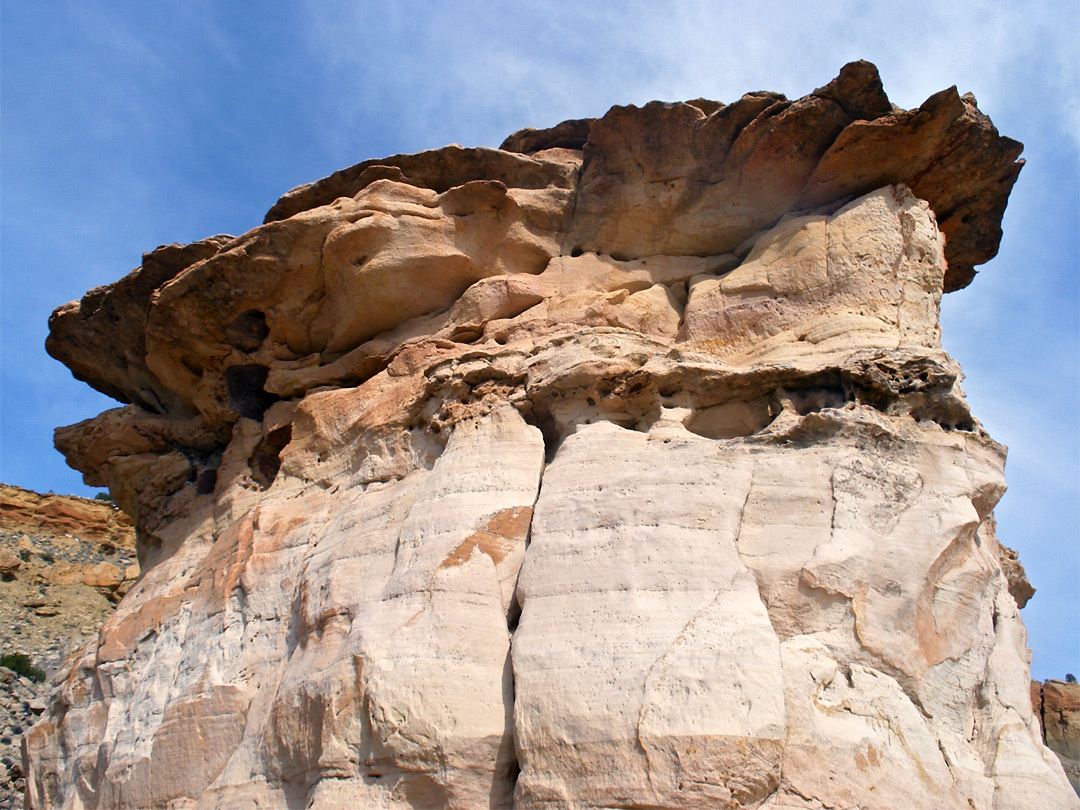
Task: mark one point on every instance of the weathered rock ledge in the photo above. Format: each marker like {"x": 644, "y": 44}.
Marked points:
{"x": 618, "y": 467}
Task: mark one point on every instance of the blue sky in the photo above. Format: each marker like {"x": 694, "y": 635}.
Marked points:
{"x": 127, "y": 125}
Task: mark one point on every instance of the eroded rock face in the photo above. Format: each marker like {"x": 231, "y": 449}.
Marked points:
{"x": 1057, "y": 706}
{"x": 621, "y": 467}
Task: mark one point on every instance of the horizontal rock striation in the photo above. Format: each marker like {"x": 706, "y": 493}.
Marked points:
{"x": 618, "y": 467}
{"x": 24, "y": 511}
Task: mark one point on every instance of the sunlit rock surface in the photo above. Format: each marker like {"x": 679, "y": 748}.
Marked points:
{"x": 619, "y": 467}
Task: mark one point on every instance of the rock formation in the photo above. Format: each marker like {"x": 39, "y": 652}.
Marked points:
{"x": 617, "y": 467}
{"x": 1057, "y": 706}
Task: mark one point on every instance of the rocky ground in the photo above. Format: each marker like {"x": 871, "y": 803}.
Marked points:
{"x": 64, "y": 563}
{"x": 21, "y": 700}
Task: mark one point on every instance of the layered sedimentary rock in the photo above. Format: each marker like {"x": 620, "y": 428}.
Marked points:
{"x": 618, "y": 467}
{"x": 27, "y": 512}
{"x": 1057, "y": 706}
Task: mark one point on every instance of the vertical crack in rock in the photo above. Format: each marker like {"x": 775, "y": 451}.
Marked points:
{"x": 742, "y": 509}
{"x": 442, "y": 584}
{"x": 513, "y": 616}
{"x": 645, "y": 707}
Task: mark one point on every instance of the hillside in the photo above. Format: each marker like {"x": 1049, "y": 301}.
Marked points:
{"x": 64, "y": 563}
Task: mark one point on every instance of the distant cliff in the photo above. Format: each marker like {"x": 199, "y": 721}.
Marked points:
{"x": 64, "y": 563}
{"x": 1057, "y": 705}
{"x": 29, "y": 512}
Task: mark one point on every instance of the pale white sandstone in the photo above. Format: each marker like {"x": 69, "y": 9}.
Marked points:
{"x": 677, "y": 700}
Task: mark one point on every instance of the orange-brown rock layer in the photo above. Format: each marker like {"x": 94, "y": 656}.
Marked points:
{"x": 1057, "y": 705}
{"x": 24, "y": 511}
